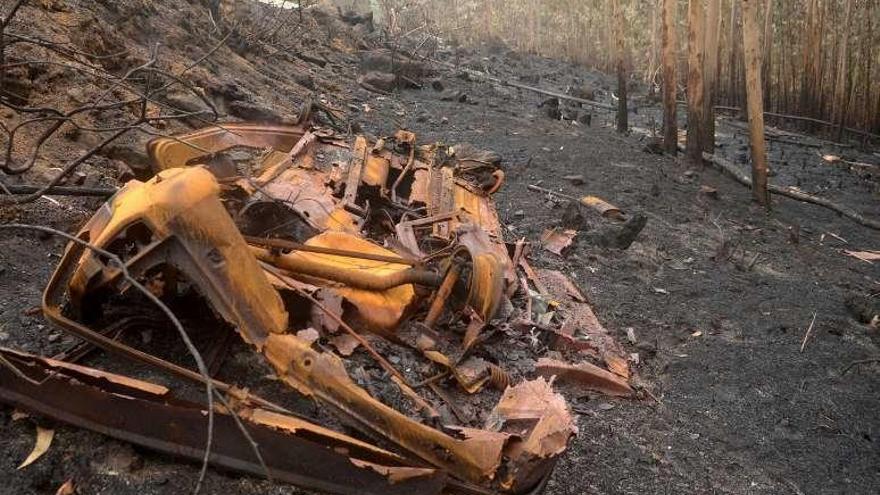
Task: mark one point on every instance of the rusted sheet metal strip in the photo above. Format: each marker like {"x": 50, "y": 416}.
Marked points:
{"x": 146, "y": 414}
{"x": 586, "y": 375}
{"x": 441, "y": 296}
{"x": 180, "y": 151}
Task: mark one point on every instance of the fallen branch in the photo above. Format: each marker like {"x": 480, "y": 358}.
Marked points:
{"x": 795, "y": 138}
{"x": 103, "y": 192}
{"x": 561, "y": 96}
{"x": 483, "y": 76}
{"x": 791, "y": 192}
{"x": 837, "y": 159}
{"x": 800, "y": 118}
{"x": 857, "y": 363}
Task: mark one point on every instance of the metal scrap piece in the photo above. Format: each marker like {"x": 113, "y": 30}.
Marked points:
{"x": 539, "y": 417}
{"x": 558, "y": 240}
{"x": 353, "y": 180}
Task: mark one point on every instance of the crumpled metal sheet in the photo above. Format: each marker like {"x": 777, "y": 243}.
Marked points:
{"x": 558, "y": 240}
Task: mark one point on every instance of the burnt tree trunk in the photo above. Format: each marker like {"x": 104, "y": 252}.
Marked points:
{"x": 755, "y": 100}
{"x": 656, "y": 13}
{"x": 767, "y": 43}
{"x": 713, "y": 32}
{"x": 733, "y": 42}
{"x": 620, "y": 48}
{"x": 840, "y": 88}
{"x": 695, "y": 96}
{"x": 670, "y": 124}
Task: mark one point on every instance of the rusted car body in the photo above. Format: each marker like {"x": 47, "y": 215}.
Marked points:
{"x": 382, "y": 236}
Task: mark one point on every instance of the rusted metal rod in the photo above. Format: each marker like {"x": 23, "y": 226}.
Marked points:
{"x": 296, "y": 246}
{"x": 353, "y": 277}
{"x": 443, "y": 293}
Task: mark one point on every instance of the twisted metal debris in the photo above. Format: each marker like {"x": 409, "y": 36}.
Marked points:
{"x": 291, "y": 231}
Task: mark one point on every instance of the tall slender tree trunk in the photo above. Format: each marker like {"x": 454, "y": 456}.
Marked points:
{"x": 670, "y": 123}
{"x": 695, "y": 96}
{"x": 609, "y": 36}
{"x": 754, "y": 98}
{"x": 767, "y": 44}
{"x": 811, "y": 58}
{"x": 732, "y": 65}
{"x": 652, "y": 57}
{"x": 867, "y": 47}
{"x": 620, "y": 49}
{"x": 713, "y": 31}
{"x": 841, "y": 94}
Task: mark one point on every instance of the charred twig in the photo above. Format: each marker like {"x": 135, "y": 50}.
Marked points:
{"x": 59, "y": 118}
{"x": 858, "y": 363}
{"x": 58, "y": 47}
{"x": 103, "y": 192}
{"x": 247, "y": 435}
{"x": 809, "y": 330}
{"x": 4, "y": 21}
{"x": 432, "y": 379}
{"x": 54, "y": 127}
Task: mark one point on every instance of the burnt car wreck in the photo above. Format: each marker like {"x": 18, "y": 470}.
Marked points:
{"x": 310, "y": 244}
